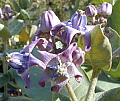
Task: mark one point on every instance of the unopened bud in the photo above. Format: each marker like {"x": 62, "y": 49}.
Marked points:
{"x": 105, "y": 9}
{"x": 91, "y": 11}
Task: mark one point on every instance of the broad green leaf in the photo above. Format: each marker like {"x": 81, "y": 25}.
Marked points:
{"x": 24, "y": 14}
{"x": 114, "y": 19}
{"x": 115, "y": 40}
{"x": 4, "y": 31}
{"x": 16, "y": 6}
{"x": 111, "y": 95}
{"x": 4, "y": 78}
{"x": 100, "y": 55}
{"x": 115, "y": 73}
{"x": 24, "y": 4}
{"x": 35, "y": 92}
{"x": 105, "y": 82}
{"x": 80, "y": 89}
{"x": 16, "y": 26}
{"x": 19, "y": 98}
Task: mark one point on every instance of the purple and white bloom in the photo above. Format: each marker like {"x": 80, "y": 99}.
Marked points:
{"x": 8, "y": 12}
{"x": 91, "y": 11}
{"x": 22, "y": 61}
{"x": 59, "y": 68}
{"x": 105, "y": 9}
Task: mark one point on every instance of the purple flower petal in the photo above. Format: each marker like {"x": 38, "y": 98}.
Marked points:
{"x": 78, "y": 57}
{"x": 68, "y": 35}
{"x": 67, "y": 54}
{"x": 26, "y": 77}
{"x": 61, "y": 82}
{"x": 57, "y": 28}
{"x": 73, "y": 72}
{"x": 44, "y": 45}
{"x": 33, "y": 61}
{"x": 45, "y": 77}
{"x": 46, "y": 57}
{"x": 87, "y": 40}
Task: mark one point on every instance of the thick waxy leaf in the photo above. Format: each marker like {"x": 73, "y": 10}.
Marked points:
{"x": 4, "y": 78}
{"x": 115, "y": 73}
{"x": 24, "y": 4}
{"x": 80, "y": 89}
{"x": 4, "y": 31}
{"x": 100, "y": 55}
{"x": 16, "y": 26}
{"x": 114, "y": 40}
{"x": 105, "y": 82}
{"x": 19, "y": 98}
{"x": 16, "y": 5}
{"x": 24, "y": 14}
{"x": 111, "y": 95}
{"x": 114, "y": 20}
{"x": 35, "y": 92}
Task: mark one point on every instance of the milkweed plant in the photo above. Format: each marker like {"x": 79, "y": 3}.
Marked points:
{"x": 72, "y": 60}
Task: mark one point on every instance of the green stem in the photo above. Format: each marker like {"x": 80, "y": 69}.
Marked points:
{"x": 71, "y": 92}
{"x": 75, "y": 7}
{"x": 93, "y": 82}
{"x": 5, "y": 69}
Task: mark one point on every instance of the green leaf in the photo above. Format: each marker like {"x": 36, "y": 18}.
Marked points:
{"x": 16, "y": 5}
{"x": 105, "y": 82}
{"x": 114, "y": 19}
{"x": 4, "y": 31}
{"x": 80, "y": 89}
{"x": 115, "y": 40}
{"x": 24, "y": 14}
{"x": 115, "y": 73}
{"x": 4, "y": 78}
{"x": 24, "y": 4}
{"x": 111, "y": 95}
{"x": 100, "y": 55}
{"x": 16, "y": 26}
{"x": 19, "y": 98}
{"x": 35, "y": 92}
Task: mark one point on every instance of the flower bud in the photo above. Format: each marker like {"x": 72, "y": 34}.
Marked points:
{"x": 78, "y": 20}
{"x": 91, "y": 11}
{"x": 48, "y": 20}
{"x": 1, "y": 15}
{"x": 7, "y": 8}
{"x": 105, "y": 9}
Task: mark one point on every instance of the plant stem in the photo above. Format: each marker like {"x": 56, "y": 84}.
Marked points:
{"x": 93, "y": 82}
{"x": 5, "y": 69}
{"x": 75, "y": 7}
{"x": 71, "y": 92}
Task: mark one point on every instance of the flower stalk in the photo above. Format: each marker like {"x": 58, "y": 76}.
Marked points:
{"x": 93, "y": 82}
{"x": 5, "y": 69}
{"x": 71, "y": 92}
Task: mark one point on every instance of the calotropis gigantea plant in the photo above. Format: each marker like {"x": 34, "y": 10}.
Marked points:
{"x": 82, "y": 42}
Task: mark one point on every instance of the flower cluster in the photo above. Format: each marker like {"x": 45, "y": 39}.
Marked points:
{"x": 7, "y": 12}
{"x": 59, "y": 64}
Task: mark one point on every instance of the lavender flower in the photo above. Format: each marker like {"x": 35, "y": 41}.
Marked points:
{"x": 22, "y": 61}
{"x": 59, "y": 68}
